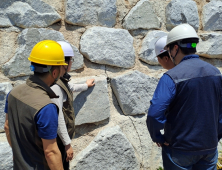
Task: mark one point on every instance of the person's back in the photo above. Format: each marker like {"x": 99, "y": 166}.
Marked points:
{"x": 192, "y": 116}
{"x": 26, "y": 144}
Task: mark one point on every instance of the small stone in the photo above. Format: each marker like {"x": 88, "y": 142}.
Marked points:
{"x": 108, "y": 46}
{"x": 141, "y": 16}
{"x": 212, "y": 16}
{"x": 210, "y": 45}
{"x": 27, "y": 14}
{"x": 6, "y": 159}
{"x": 92, "y": 105}
{"x": 108, "y": 151}
{"x": 5, "y": 88}
{"x": 19, "y": 65}
{"x": 180, "y": 11}
{"x": 147, "y": 52}
{"x": 91, "y": 12}
{"x": 134, "y": 90}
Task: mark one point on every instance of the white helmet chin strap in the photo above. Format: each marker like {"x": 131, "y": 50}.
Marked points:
{"x": 173, "y": 57}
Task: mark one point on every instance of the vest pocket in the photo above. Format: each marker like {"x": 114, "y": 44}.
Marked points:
{"x": 167, "y": 132}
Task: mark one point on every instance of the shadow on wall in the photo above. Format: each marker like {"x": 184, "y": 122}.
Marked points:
{"x": 80, "y": 100}
{"x": 86, "y": 128}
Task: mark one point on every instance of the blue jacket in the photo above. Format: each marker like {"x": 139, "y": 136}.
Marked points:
{"x": 187, "y": 104}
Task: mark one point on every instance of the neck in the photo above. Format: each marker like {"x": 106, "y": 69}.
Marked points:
{"x": 46, "y": 80}
{"x": 179, "y": 57}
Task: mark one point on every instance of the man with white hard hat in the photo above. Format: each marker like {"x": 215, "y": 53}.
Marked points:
{"x": 187, "y": 104}
{"x": 64, "y": 89}
{"x": 162, "y": 55}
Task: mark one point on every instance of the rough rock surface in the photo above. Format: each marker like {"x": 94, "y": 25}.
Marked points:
{"x": 78, "y": 59}
{"x": 134, "y": 90}
{"x": 26, "y": 41}
{"x": 108, "y": 46}
{"x": 5, "y": 88}
{"x": 91, "y": 12}
{"x": 7, "y": 45}
{"x": 5, "y": 156}
{"x": 141, "y": 16}
{"x": 147, "y": 52}
{"x": 109, "y": 150}
{"x": 210, "y": 45}
{"x": 180, "y": 11}
{"x": 92, "y": 105}
{"x": 147, "y": 152}
{"x": 212, "y": 16}
{"x": 27, "y": 14}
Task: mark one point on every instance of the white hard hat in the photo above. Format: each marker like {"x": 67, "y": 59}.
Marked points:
{"x": 180, "y": 32}
{"x": 67, "y": 49}
{"x": 159, "y": 45}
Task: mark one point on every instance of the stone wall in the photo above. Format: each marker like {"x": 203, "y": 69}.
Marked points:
{"x": 113, "y": 41}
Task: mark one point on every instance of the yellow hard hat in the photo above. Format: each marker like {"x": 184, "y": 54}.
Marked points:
{"x": 47, "y": 52}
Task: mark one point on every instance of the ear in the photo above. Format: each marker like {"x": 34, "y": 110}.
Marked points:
{"x": 54, "y": 73}
{"x": 176, "y": 47}
{"x": 165, "y": 58}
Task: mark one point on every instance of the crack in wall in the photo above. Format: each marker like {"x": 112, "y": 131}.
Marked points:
{"x": 141, "y": 163}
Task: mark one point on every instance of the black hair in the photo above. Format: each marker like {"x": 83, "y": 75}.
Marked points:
{"x": 67, "y": 59}
{"x": 164, "y": 54}
{"x": 42, "y": 75}
{"x": 184, "y": 50}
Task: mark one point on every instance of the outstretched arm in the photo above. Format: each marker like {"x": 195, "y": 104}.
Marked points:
{"x": 82, "y": 87}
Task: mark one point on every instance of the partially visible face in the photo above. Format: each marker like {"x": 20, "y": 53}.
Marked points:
{"x": 172, "y": 52}
{"x": 162, "y": 62}
{"x": 166, "y": 62}
{"x": 70, "y": 64}
{"x": 56, "y": 73}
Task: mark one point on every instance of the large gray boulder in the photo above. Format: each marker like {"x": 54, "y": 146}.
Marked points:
{"x": 108, "y": 46}
{"x": 6, "y": 159}
{"x": 27, "y": 14}
{"x": 147, "y": 52}
{"x": 180, "y": 11}
{"x": 5, "y": 88}
{"x": 147, "y": 152}
{"x": 210, "y": 45}
{"x": 91, "y": 12}
{"x": 134, "y": 90}
{"x": 92, "y": 105}
{"x": 141, "y": 16}
{"x": 19, "y": 64}
{"x": 212, "y": 16}
{"x": 110, "y": 150}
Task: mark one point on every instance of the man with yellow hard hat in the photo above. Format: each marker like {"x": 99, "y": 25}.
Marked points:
{"x": 32, "y": 118}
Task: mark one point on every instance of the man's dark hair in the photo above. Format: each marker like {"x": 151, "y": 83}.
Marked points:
{"x": 164, "y": 54}
{"x": 42, "y": 75}
{"x": 185, "y": 51}
{"x": 67, "y": 59}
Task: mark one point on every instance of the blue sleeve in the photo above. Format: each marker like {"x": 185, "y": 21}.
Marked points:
{"x": 47, "y": 122}
{"x": 220, "y": 121}
{"x": 162, "y": 97}
{"x": 6, "y": 103}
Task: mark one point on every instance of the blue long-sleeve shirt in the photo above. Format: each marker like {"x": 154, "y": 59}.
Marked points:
{"x": 162, "y": 97}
